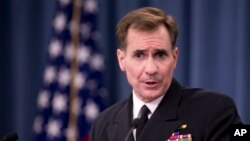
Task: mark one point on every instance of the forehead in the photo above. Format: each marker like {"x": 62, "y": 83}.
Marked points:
{"x": 157, "y": 38}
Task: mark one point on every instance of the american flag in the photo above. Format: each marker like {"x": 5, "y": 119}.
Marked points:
{"x": 72, "y": 94}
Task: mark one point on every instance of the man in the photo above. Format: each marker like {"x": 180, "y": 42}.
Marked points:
{"x": 148, "y": 56}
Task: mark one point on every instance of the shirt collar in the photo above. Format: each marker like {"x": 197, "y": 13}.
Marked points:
{"x": 138, "y": 103}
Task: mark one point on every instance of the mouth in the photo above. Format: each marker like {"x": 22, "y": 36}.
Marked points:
{"x": 151, "y": 84}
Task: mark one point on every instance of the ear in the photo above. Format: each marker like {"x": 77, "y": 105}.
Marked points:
{"x": 121, "y": 59}
{"x": 175, "y": 55}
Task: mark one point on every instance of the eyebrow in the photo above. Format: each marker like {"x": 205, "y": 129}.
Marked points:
{"x": 161, "y": 50}
{"x": 139, "y": 51}
{"x": 165, "y": 51}
{"x": 155, "y": 51}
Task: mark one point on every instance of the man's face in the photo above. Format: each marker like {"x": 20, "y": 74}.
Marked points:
{"x": 149, "y": 62}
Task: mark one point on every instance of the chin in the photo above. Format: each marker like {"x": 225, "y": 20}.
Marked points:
{"x": 150, "y": 96}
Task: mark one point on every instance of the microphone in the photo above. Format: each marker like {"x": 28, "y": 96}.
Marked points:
{"x": 10, "y": 137}
{"x": 135, "y": 123}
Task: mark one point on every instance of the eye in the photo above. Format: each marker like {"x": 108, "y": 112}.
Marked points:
{"x": 161, "y": 54}
{"x": 139, "y": 55}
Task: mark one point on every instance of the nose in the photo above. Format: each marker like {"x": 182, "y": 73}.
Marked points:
{"x": 151, "y": 67}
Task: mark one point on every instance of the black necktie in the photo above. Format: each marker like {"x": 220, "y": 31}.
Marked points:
{"x": 143, "y": 117}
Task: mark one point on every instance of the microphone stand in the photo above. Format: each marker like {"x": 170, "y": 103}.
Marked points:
{"x": 135, "y": 123}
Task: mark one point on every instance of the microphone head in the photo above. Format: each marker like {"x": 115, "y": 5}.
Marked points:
{"x": 10, "y": 137}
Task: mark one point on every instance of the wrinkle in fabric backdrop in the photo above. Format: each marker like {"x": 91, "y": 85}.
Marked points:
{"x": 213, "y": 43}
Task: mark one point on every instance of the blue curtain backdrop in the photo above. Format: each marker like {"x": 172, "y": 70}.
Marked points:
{"x": 214, "y": 46}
